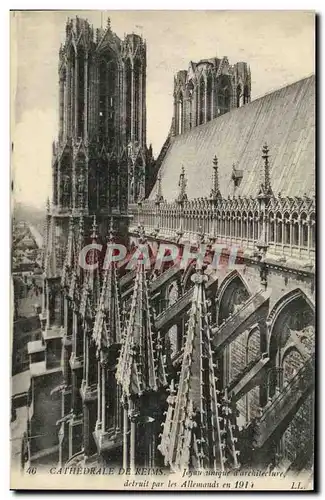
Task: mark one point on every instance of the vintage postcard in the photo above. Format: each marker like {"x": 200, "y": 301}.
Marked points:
{"x": 163, "y": 250}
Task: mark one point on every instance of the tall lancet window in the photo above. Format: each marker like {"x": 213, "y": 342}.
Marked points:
{"x": 128, "y": 84}
{"x": 202, "y": 101}
{"x": 209, "y": 98}
{"x": 137, "y": 99}
{"x": 81, "y": 92}
{"x": 180, "y": 113}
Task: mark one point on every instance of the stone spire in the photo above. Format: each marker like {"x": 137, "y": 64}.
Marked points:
{"x": 140, "y": 367}
{"x": 182, "y": 196}
{"x": 107, "y": 326}
{"x": 215, "y": 190}
{"x": 192, "y": 436}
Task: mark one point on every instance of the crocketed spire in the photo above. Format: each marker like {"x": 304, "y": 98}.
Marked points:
{"x": 140, "y": 365}
{"x": 107, "y": 327}
{"x": 192, "y": 435}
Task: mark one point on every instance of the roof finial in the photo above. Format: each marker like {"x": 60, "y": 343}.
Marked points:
{"x": 215, "y": 191}
{"x": 182, "y": 185}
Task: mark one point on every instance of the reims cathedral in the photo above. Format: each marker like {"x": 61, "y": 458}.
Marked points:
{"x": 194, "y": 366}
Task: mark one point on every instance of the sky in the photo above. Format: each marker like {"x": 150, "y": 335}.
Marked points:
{"x": 278, "y": 46}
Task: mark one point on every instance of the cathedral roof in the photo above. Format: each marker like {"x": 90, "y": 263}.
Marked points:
{"x": 284, "y": 119}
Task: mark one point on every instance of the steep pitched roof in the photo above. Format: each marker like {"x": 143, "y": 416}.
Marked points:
{"x": 284, "y": 119}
